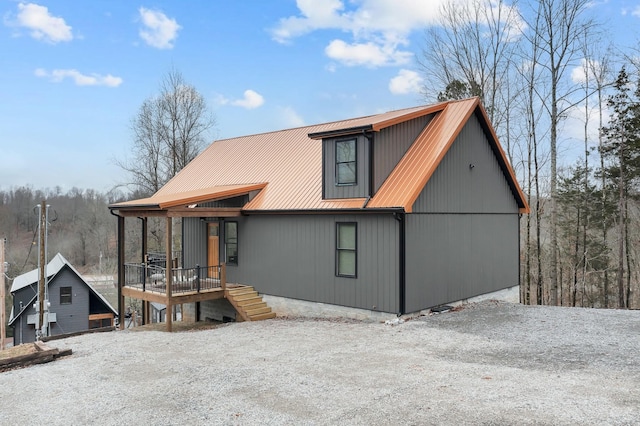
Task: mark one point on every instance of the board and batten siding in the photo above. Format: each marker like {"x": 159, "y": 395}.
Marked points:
{"x": 69, "y": 318}
{"x": 390, "y": 145}
{"x": 74, "y": 316}
{"x": 194, "y": 242}
{"x": 294, "y": 256}
{"x": 469, "y": 178}
{"x": 462, "y": 239}
{"x": 361, "y": 188}
{"x": 452, "y": 257}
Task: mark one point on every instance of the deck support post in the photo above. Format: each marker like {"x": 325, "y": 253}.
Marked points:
{"x": 145, "y": 305}
{"x": 121, "y": 271}
{"x": 169, "y": 273}
{"x": 223, "y": 276}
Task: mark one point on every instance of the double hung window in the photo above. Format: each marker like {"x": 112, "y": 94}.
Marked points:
{"x": 231, "y": 242}
{"x": 346, "y": 162}
{"x": 346, "y": 249}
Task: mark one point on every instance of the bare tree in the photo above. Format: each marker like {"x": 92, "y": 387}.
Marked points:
{"x": 469, "y": 53}
{"x": 169, "y": 131}
{"x": 560, "y": 30}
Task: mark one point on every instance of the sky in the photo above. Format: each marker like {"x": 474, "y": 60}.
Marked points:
{"x": 74, "y": 74}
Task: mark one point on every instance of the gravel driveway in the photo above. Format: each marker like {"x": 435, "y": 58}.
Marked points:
{"x": 489, "y": 363}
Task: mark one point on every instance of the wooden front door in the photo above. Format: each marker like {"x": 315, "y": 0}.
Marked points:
{"x": 213, "y": 247}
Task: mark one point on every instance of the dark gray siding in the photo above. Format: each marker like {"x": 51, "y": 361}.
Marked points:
{"x": 23, "y": 332}
{"x": 457, "y": 187}
{"x": 71, "y": 317}
{"x": 462, "y": 239}
{"x": 390, "y": 145}
{"x": 361, "y": 189}
{"x": 228, "y": 202}
{"x": 194, "y": 244}
{"x": 294, "y": 256}
{"x": 450, "y": 257}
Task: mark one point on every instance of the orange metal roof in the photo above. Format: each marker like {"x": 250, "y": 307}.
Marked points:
{"x": 192, "y": 197}
{"x": 286, "y": 165}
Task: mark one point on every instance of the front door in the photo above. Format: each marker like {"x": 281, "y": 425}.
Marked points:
{"x": 213, "y": 247}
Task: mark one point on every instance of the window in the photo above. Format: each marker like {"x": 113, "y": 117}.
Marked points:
{"x": 346, "y": 249}
{"x": 231, "y": 242}
{"x": 65, "y": 295}
{"x": 346, "y": 162}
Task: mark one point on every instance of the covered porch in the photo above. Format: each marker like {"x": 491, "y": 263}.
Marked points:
{"x": 162, "y": 277}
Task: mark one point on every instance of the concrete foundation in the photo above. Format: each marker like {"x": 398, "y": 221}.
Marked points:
{"x": 300, "y": 308}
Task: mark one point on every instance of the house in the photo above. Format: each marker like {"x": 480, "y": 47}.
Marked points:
{"x": 74, "y": 304}
{"x": 395, "y": 212}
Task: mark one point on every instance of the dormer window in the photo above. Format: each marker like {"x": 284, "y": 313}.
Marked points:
{"x": 346, "y": 162}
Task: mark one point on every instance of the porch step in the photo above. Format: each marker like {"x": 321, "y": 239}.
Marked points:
{"x": 249, "y": 301}
{"x": 263, "y": 316}
{"x": 258, "y": 311}
{"x": 244, "y": 296}
{"x": 236, "y": 291}
{"x": 249, "y": 304}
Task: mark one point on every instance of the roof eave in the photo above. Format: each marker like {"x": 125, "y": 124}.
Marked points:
{"x": 366, "y": 210}
{"x": 341, "y": 132}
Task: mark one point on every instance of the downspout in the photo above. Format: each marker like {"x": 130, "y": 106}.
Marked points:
{"x": 401, "y": 218}
{"x": 369, "y": 137}
{"x": 519, "y": 262}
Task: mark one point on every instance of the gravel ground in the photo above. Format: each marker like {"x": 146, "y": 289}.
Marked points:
{"x": 490, "y": 363}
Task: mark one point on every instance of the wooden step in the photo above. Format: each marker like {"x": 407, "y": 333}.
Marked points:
{"x": 240, "y": 290}
{"x": 253, "y": 306}
{"x": 263, "y": 316}
{"x": 244, "y": 296}
{"x": 257, "y": 311}
{"x": 245, "y": 302}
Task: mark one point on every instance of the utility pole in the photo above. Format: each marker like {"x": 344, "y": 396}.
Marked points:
{"x": 3, "y": 315}
{"x": 43, "y": 302}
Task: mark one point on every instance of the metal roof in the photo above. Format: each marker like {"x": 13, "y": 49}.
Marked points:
{"x": 286, "y": 166}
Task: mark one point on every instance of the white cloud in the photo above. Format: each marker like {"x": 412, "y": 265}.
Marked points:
{"x": 80, "y": 79}
{"x": 405, "y": 82}
{"x": 251, "y": 100}
{"x": 636, "y": 12}
{"x": 290, "y": 118}
{"x": 366, "y": 54}
{"x": 378, "y": 28}
{"x": 159, "y": 31}
{"x": 41, "y": 23}
{"x": 579, "y": 73}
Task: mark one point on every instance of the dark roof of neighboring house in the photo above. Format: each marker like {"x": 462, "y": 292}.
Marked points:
{"x": 285, "y": 167}
{"x": 31, "y": 278}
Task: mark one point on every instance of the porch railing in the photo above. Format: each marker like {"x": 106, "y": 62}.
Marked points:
{"x": 152, "y": 277}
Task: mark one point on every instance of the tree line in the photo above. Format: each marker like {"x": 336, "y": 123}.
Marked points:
{"x": 536, "y": 65}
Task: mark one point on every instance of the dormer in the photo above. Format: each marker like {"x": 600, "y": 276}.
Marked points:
{"x": 346, "y": 164}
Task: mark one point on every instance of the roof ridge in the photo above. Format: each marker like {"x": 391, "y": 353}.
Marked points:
{"x": 328, "y": 122}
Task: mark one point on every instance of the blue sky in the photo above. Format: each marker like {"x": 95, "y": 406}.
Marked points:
{"x": 73, "y": 74}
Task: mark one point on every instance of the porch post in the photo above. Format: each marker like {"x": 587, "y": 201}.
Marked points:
{"x": 121, "y": 277}
{"x": 169, "y": 273}
{"x": 223, "y": 276}
{"x": 145, "y": 303}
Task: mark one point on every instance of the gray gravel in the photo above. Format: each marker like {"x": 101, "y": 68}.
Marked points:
{"x": 490, "y": 363}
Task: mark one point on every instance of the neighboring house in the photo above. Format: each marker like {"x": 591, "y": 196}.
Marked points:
{"x": 395, "y": 212}
{"x": 74, "y": 304}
